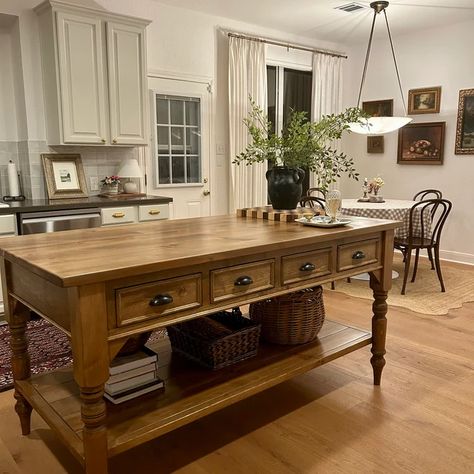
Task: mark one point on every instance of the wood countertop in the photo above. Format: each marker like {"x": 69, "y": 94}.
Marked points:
{"x": 87, "y": 256}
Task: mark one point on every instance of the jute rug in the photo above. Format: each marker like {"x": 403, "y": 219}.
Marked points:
{"x": 424, "y": 295}
{"x": 48, "y": 347}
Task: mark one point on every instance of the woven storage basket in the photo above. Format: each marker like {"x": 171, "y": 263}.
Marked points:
{"x": 217, "y": 340}
{"x": 295, "y": 318}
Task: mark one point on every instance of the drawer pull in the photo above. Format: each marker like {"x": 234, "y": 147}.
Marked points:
{"x": 307, "y": 267}
{"x": 243, "y": 281}
{"x": 118, "y": 215}
{"x": 160, "y": 300}
{"x": 359, "y": 255}
{"x": 153, "y": 212}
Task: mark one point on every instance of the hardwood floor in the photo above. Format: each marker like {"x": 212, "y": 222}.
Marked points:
{"x": 330, "y": 420}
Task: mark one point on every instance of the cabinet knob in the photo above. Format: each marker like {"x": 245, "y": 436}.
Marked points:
{"x": 359, "y": 255}
{"x": 114, "y": 140}
{"x": 118, "y": 215}
{"x": 153, "y": 212}
{"x": 243, "y": 281}
{"x": 307, "y": 267}
{"x": 160, "y": 300}
{"x": 103, "y": 140}
{"x": 206, "y": 192}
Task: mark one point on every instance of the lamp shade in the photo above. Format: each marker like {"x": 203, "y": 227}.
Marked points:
{"x": 379, "y": 125}
{"x": 130, "y": 168}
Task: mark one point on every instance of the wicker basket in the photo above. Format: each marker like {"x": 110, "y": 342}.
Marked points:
{"x": 295, "y": 318}
{"x": 217, "y": 340}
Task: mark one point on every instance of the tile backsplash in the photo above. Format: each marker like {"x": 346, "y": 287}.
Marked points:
{"x": 97, "y": 162}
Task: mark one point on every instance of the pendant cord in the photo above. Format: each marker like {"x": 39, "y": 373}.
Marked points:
{"x": 367, "y": 55}
{"x": 395, "y": 61}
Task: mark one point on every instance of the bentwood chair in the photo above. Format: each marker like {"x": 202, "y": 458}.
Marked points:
{"x": 421, "y": 237}
{"x": 316, "y": 204}
{"x": 423, "y": 196}
{"x": 316, "y": 192}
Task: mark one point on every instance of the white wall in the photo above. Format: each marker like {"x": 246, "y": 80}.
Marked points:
{"x": 438, "y": 57}
{"x": 8, "y": 127}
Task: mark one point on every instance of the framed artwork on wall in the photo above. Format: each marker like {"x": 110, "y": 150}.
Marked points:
{"x": 375, "y": 144}
{"x": 465, "y": 123}
{"x": 64, "y": 176}
{"x": 421, "y": 143}
{"x": 424, "y": 101}
{"x": 378, "y": 108}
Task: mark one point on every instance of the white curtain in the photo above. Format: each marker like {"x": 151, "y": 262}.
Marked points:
{"x": 247, "y": 76}
{"x": 327, "y": 90}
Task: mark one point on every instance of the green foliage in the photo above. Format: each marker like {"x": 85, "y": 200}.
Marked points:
{"x": 303, "y": 144}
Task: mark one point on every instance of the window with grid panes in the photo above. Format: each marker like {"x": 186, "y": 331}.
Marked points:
{"x": 178, "y": 139}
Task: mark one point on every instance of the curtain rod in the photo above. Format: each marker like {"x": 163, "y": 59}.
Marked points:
{"x": 286, "y": 45}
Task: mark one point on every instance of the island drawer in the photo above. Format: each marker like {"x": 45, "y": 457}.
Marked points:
{"x": 231, "y": 282}
{"x": 306, "y": 266}
{"x": 118, "y": 215}
{"x": 153, "y": 212}
{"x": 358, "y": 254}
{"x": 156, "y": 299}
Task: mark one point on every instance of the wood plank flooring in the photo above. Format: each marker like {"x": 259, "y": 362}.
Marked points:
{"x": 330, "y": 420}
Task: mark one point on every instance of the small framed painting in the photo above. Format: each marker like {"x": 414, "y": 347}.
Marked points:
{"x": 424, "y": 101}
{"x": 64, "y": 176}
{"x": 465, "y": 123}
{"x": 421, "y": 143}
{"x": 378, "y": 108}
{"x": 375, "y": 144}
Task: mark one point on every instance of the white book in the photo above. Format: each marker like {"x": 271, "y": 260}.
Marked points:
{"x": 133, "y": 373}
{"x": 130, "y": 394}
{"x": 131, "y": 383}
{"x": 143, "y": 357}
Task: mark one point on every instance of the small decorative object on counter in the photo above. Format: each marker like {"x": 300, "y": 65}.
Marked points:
{"x": 217, "y": 340}
{"x": 374, "y": 189}
{"x": 110, "y": 184}
{"x": 295, "y": 318}
{"x": 365, "y": 190}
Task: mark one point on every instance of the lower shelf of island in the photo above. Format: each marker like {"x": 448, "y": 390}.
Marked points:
{"x": 191, "y": 392}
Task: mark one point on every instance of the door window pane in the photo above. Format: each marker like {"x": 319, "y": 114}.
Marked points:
{"x": 178, "y": 133}
{"x": 272, "y": 96}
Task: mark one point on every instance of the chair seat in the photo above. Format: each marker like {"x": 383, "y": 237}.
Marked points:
{"x": 417, "y": 242}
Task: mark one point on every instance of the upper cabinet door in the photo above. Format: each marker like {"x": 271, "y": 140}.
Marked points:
{"x": 127, "y": 83}
{"x": 81, "y": 78}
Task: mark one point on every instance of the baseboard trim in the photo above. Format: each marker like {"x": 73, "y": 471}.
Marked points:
{"x": 467, "y": 258}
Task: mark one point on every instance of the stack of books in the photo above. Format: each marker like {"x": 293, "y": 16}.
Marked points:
{"x": 133, "y": 375}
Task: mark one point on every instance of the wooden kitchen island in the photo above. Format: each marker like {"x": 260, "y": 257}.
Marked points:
{"x": 100, "y": 286}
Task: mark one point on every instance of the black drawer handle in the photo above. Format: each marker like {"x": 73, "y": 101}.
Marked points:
{"x": 160, "y": 300}
{"x": 307, "y": 267}
{"x": 359, "y": 255}
{"x": 243, "y": 281}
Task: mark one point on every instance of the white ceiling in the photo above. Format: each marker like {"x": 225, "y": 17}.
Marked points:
{"x": 318, "y": 19}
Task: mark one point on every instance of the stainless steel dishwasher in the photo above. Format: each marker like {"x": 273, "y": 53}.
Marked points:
{"x": 55, "y": 221}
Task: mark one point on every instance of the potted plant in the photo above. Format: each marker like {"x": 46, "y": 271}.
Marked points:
{"x": 110, "y": 184}
{"x": 302, "y": 145}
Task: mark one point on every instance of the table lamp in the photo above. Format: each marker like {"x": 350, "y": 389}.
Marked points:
{"x": 130, "y": 168}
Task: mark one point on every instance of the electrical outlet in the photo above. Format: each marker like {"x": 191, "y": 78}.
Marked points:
{"x": 94, "y": 180}
{"x": 220, "y": 149}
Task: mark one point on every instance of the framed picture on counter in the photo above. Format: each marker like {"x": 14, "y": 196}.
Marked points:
{"x": 465, "y": 123}
{"x": 421, "y": 143}
{"x": 64, "y": 176}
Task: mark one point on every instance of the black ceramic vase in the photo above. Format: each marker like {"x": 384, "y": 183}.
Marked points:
{"x": 285, "y": 186}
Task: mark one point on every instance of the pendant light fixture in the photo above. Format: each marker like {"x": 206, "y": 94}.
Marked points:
{"x": 379, "y": 125}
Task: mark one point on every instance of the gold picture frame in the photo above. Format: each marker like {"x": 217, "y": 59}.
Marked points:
{"x": 465, "y": 123}
{"x": 424, "y": 101}
{"x": 64, "y": 176}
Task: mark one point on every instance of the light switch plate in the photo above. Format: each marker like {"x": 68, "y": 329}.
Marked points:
{"x": 220, "y": 149}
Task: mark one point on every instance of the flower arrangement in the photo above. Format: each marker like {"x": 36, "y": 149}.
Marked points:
{"x": 375, "y": 184}
{"x": 110, "y": 180}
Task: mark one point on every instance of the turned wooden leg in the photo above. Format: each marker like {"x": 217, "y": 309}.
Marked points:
{"x": 379, "y": 330}
{"x": 20, "y": 360}
{"x": 93, "y": 413}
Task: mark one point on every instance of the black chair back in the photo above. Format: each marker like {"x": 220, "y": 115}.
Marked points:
{"x": 428, "y": 194}
{"x": 313, "y": 202}
{"x": 427, "y": 219}
{"x": 316, "y": 192}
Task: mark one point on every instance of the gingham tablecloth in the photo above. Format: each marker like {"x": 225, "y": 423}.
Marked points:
{"x": 394, "y": 209}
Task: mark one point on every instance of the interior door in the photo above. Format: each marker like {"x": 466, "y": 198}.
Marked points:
{"x": 178, "y": 163}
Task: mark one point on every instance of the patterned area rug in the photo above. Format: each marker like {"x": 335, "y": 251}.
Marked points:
{"x": 424, "y": 295}
{"x": 48, "y": 347}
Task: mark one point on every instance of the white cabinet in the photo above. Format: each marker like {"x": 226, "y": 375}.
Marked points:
{"x": 133, "y": 214}
{"x": 94, "y": 75}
